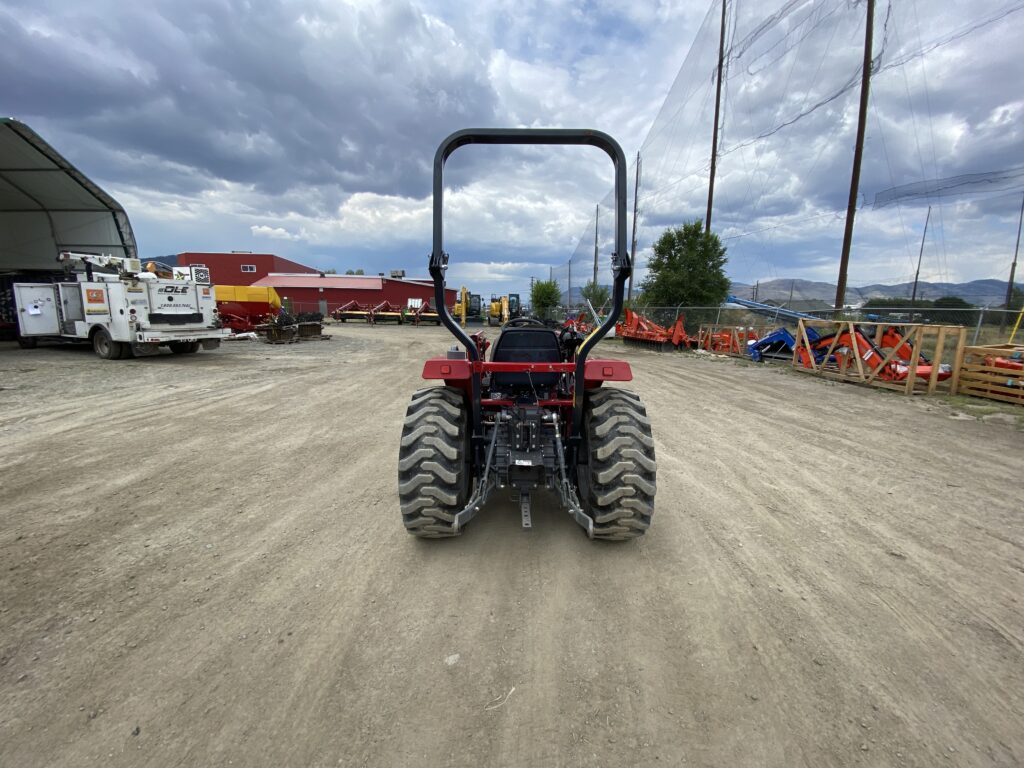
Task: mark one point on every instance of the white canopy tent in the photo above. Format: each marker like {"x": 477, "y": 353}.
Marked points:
{"x": 48, "y": 206}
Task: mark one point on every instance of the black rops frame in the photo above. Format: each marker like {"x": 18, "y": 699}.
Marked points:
{"x": 622, "y": 267}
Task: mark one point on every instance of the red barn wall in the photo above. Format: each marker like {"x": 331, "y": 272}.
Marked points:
{"x": 226, "y": 268}
{"x": 398, "y": 292}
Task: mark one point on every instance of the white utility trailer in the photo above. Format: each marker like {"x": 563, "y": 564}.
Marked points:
{"x": 121, "y": 309}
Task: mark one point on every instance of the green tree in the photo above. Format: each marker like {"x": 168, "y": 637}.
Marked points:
{"x": 952, "y": 302}
{"x": 1016, "y": 299}
{"x": 950, "y": 310}
{"x": 353, "y": 271}
{"x": 688, "y": 267}
{"x": 596, "y": 293}
{"x": 330, "y": 271}
{"x": 880, "y": 302}
{"x": 544, "y": 296}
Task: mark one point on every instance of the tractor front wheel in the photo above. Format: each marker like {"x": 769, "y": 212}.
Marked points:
{"x": 618, "y": 482}
{"x": 433, "y": 470}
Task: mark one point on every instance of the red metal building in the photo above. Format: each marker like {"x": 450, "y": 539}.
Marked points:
{"x": 325, "y": 293}
{"x": 237, "y": 268}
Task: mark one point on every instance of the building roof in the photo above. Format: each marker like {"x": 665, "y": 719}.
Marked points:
{"x": 47, "y": 205}
{"x": 275, "y": 280}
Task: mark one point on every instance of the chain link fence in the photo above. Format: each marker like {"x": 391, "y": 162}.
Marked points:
{"x": 985, "y": 325}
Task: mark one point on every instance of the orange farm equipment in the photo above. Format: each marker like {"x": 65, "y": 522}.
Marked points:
{"x": 579, "y": 324}
{"x": 726, "y": 341}
{"x": 640, "y": 331}
{"x": 892, "y": 361}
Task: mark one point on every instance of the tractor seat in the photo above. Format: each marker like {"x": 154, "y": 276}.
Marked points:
{"x": 525, "y": 345}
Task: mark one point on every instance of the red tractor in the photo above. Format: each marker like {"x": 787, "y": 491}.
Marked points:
{"x": 537, "y": 415}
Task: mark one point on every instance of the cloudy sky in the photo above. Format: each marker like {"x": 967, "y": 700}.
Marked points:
{"x": 307, "y": 128}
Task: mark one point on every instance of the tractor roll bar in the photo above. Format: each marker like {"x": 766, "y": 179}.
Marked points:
{"x": 622, "y": 267}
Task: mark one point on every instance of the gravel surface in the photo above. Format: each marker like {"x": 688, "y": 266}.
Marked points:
{"x": 204, "y": 564}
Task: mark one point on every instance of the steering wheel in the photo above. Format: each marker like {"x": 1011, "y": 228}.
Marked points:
{"x": 516, "y": 322}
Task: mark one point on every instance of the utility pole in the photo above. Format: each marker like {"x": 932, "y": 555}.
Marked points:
{"x": 632, "y": 253}
{"x": 1013, "y": 270}
{"x": 858, "y": 153}
{"x": 568, "y": 292}
{"x": 792, "y": 285}
{"x": 913, "y": 294}
{"x": 718, "y": 106}
{"x": 597, "y": 218}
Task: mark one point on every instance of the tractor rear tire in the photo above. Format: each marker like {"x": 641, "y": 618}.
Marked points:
{"x": 433, "y": 470}
{"x": 619, "y": 481}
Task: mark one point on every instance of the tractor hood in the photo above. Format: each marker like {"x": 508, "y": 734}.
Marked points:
{"x": 48, "y": 206}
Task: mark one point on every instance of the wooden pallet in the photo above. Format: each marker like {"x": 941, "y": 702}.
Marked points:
{"x": 979, "y": 377}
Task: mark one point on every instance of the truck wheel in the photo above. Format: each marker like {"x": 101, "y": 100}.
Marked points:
{"x": 105, "y": 347}
{"x": 26, "y": 342}
{"x": 433, "y": 473}
{"x": 184, "y": 347}
{"x": 618, "y": 484}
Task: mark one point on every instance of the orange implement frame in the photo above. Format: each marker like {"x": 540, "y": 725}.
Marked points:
{"x": 995, "y": 372}
{"x": 637, "y": 329}
{"x": 912, "y": 358}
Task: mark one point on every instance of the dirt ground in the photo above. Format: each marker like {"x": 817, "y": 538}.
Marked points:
{"x": 203, "y": 564}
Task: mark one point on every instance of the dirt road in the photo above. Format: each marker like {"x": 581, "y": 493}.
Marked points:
{"x": 203, "y": 564}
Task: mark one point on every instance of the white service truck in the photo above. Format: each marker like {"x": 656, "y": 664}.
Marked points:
{"x": 121, "y": 309}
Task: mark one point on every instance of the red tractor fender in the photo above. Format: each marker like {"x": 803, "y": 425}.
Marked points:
{"x": 595, "y": 370}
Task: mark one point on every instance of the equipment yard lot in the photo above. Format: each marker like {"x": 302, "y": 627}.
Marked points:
{"x": 204, "y": 564}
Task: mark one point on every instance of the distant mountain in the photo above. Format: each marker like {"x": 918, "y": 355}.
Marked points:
{"x": 978, "y": 292}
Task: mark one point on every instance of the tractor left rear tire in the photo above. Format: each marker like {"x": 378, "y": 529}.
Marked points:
{"x": 433, "y": 473}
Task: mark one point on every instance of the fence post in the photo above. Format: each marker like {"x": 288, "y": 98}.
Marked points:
{"x": 977, "y": 328}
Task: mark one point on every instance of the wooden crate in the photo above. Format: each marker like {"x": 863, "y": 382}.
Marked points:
{"x": 942, "y": 343}
{"x": 730, "y": 339}
{"x": 980, "y": 377}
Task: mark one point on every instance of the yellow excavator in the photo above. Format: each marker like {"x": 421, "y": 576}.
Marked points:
{"x": 461, "y": 309}
{"x": 499, "y": 311}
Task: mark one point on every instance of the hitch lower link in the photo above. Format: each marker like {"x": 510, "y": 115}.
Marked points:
{"x": 566, "y": 491}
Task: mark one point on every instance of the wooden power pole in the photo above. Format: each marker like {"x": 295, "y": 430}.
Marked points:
{"x": 636, "y": 209}
{"x": 858, "y": 154}
{"x": 920, "y": 253}
{"x": 718, "y": 107}
{"x": 1013, "y": 269}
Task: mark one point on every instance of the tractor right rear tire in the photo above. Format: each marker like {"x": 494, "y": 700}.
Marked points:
{"x": 619, "y": 481}
{"x": 433, "y": 470}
